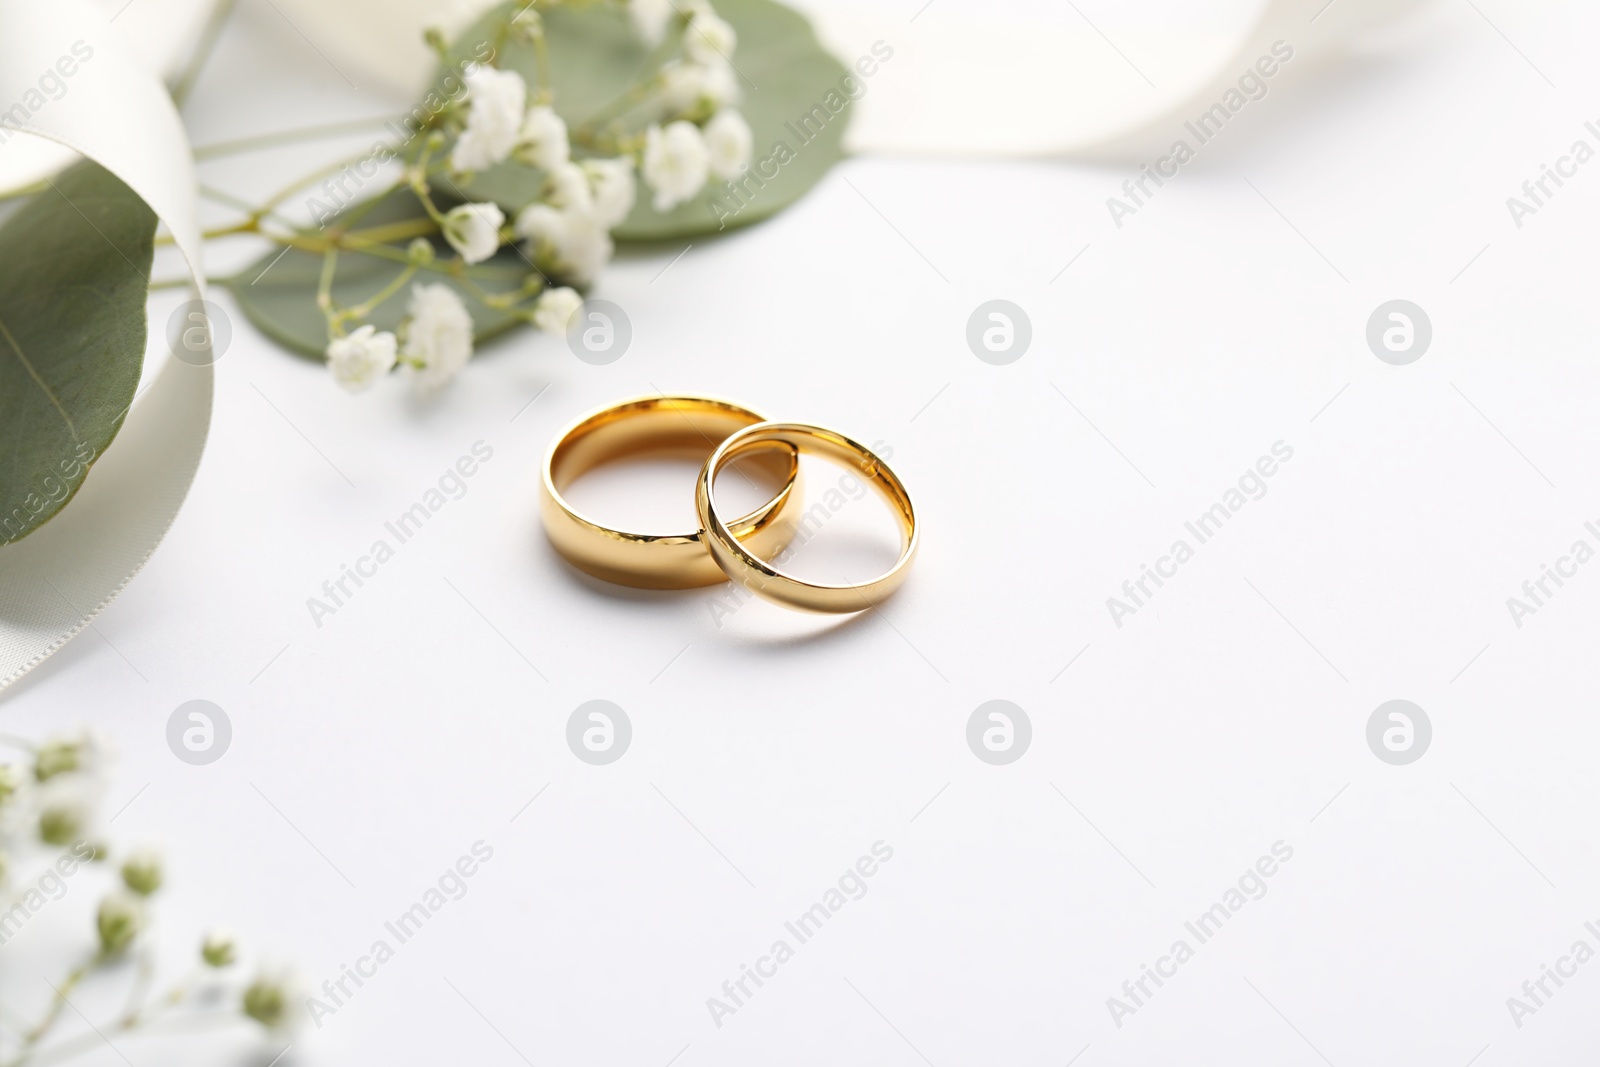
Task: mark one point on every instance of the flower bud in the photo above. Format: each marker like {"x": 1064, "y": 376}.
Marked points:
{"x": 118, "y": 922}
{"x": 527, "y": 25}
{"x": 60, "y": 825}
{"x": 267, "y": 999}
{"x": 420, "y": 251}
{"x": 10, "y": 781}
{"x": 56, "y": 757}
{"x": 434, "y": 37}
{"x": 63, "y": 755}
{"x": 142, "y": 872}
{"x": 218, "y": 949}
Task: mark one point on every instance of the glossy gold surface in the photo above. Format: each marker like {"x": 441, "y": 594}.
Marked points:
{"x": 744, "y": 562}
{"x": 656, "y": 426}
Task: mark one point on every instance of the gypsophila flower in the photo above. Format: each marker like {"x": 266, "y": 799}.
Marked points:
{"x": 61, "y": 824}
{"x": 438, "y": 337}
{"x": 218, "y": 948}
{"x": 55, "y": 757}
{"x": 568, "y": 188}
{"x": 554, "y": 309}
{"x": 570, "y": 245}
{"x": 709, "y": 39}
{"x": 118, "y": 921}
{"x": 496, "y": 102}
{"x": 543, "y": 139}
{"x": 269, "y": 999}
{"x": 610, "y": 188}
{"x": 474, "y": 230}
{"x": 420, "y": 251}
{"x": 359, "y": 360}
{"x": 690, "y": 88}
{"x": 675, "y": 163}
{"x": 142, "y": 872}
{"x": 64, "y": 754}
{"x": 10, "y": 781}
{"x": 650, "y": 19}
{"x": 728, "y": 141}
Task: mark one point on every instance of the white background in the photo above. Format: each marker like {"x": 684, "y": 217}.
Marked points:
{"x": 773, "y": 750}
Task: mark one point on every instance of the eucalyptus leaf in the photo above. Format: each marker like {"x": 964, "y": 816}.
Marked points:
{"x": 783, "y": 72}
{"x": 279, "y": 295}
{"x": 74, "y": 276}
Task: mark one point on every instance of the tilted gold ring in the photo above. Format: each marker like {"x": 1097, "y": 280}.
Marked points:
{"x": 656, "y": 425}
{"x": 745, "y": 566}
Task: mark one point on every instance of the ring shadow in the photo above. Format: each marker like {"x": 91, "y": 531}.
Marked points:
{"x": 817, "y": 628}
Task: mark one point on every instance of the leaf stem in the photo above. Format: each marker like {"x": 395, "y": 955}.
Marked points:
{"x": 150, "y": 1020}
{"x": 259, "y": 214}
{"x": 203, "y": 49}
{"x": 323, "y": 172}
{"x": 183, "y": 282}
{"x": 59, "y": 1001}
{"x": 635, "y": 93}
{"x": 351, "y": 243}
{"x": 250, "y": 226}
{"x": 282, "y": 137}
{"x": 367, "y": 306}
{"x": 330, "y": 262}
{"x": 541, "y": 58}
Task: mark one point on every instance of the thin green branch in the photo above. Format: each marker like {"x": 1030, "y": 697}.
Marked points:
{"x": 283, "y": 137}
{"x": 203, "y": 49}
{"x": 42, "y": 1029}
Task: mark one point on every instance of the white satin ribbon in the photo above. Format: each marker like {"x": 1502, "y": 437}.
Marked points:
{"x": 961, "y": 84}
{"x": 1001, "y": 78}
{"x": 117, "y": 113}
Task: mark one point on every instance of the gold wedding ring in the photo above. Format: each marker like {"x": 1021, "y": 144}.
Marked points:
{"x": 743, "y": 562}
{"x": 658, "y": 425}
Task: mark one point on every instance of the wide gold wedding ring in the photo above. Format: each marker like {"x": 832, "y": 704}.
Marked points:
{"x": 745, "y": 560}
{"x": 658, "y": 426}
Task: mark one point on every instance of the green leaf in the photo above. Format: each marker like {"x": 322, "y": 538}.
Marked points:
{"x": 783, "y": 72}
{"x": 279, "y": 295}
{"x": 74, "y": 276}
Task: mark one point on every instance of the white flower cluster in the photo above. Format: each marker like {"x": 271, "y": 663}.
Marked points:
{"x": 437, "y": 338}
{"x": 695, "y": 134}
{"x": 703, "y": 135}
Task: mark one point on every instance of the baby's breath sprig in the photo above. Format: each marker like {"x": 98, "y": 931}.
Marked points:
{"x": 49, "y": 845}
{"x": 674, "y": 126}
